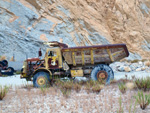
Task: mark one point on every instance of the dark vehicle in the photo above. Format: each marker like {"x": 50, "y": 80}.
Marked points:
{"x": 4, "y": 69}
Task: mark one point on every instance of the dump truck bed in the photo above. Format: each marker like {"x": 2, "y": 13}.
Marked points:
{"x": 95, "y": 54}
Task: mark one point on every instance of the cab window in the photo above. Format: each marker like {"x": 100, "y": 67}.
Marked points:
{"x": 51, "y": 53}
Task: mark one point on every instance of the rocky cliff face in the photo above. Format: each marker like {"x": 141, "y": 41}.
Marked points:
{"x": 25, "y": 24}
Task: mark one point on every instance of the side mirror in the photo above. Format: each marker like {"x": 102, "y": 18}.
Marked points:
{"x": 40, "y": 52}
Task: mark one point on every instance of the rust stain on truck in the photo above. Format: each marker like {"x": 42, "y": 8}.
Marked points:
{"x": 63, "y": 61}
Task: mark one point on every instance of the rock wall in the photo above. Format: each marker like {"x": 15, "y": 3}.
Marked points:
{"x": 26, "y": 24}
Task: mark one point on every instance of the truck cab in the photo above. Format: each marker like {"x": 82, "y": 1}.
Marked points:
{"x": 53, "y": 58}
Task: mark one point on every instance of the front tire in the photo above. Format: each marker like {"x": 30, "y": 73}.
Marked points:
{"x": 41, "y": 79}
{"x": 102, "y": 72}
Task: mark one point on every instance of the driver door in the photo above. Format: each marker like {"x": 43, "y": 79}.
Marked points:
{"x": 53, "y": 59}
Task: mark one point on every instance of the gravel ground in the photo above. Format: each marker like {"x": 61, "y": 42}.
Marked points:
{"x": 21, "y": 99}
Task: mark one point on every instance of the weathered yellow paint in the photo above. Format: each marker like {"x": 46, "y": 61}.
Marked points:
{"x": 82, "y": 57}
{"x": 73, "y": 58}
{"x": 58, "y": 56}
{"x": 119, "y": 52}
{"x": 24, "y": 67}
{"x": 41, "y": 81}
{"x": 110, "y": 55}
{"x": 76, "y": 73}
{"x": 92, "y": 57}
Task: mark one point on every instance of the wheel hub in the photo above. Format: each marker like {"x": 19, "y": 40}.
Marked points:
{"x": 41, "y": 81}
{"x": 102, "y": 75}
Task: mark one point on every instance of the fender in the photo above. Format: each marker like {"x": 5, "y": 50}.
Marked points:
{"x": 43, "y": 69}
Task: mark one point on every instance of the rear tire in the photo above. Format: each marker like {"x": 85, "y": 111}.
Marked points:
{"x": 102, "y": 72}
{"x": 11, "y": 70}
{"x": 41, "y": 79}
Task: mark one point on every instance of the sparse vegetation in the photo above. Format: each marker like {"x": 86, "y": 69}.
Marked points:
{"x": 18, "y": 72}
{"x": 43, "y": 90}
{"x": 3, "y": 91}
{"x": 97, "y": 88}
{"x": 120, "y": 110}
{"x": 143, "y": 99}
{"x": 122, "y": 87}
{"x": 4, "y": 75}
{"x": 65, "y": 87}
{"x": 143, "y": 83}
{"x": 27, "y": 86}
{"x": 77, "y": 87}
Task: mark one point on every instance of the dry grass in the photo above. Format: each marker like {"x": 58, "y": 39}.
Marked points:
{"x": 3, "y": 91}
{"x": 77, "y": 87}
{"x": 97, "y": 88}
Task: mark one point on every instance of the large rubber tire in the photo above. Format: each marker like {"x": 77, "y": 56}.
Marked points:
{"x": 11, "y": 72}
{"x": 102, "y": 69}
{"x": 5, "y": 63}
{"x": 1, "y": 65}
{"x": 41, "y": 79}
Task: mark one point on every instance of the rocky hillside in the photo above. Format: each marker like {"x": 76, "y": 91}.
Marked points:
{"x": 25, "y": 24}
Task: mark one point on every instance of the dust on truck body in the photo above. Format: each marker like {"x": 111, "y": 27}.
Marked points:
{"x": 63, "y": 61}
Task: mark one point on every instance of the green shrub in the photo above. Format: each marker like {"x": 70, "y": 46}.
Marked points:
{"x": 3, "y": 91}
{"x": 143, "y": 100}
{"x": 143, "y": 83}
{"x": 122, "y": 87}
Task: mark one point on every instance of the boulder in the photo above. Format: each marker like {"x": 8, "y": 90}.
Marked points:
{"x": 127, "y": 69}
{"x": 138, "y": 69}
{"x": 121, "y": 69}
{"x": 147, "y": 63}
{"x": 134, "y": 66}
{"x": 143, "y": 68}
{"x": 130, "y": 85}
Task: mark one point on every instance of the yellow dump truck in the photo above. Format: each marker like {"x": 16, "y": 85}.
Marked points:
{"x": 63, "y": 61}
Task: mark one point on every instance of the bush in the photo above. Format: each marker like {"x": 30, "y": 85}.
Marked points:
{"x": 143, "y": 84}
{"x": 3, "y": 91}
{"x": 122, "y": 87}
{"x": 143, "y": 100}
